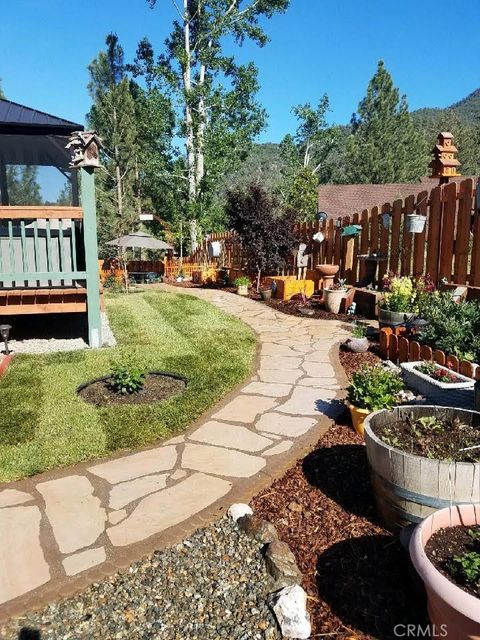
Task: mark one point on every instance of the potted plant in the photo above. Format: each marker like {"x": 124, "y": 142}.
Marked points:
{"x": 422, "y": 458}
{"x": 372, "y": 388}
{"x": 266, "y": 290}
{"x": 438, "y": 384}
{"x": 445, "y": 551}
{"x": 358, "y": 343}
{"x": 242, "y": 283}
{"x": 399, "y": 302}
{"x": 334, "y": 295}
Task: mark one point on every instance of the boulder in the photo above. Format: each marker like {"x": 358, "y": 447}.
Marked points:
{"x": 258, "y": 529}
{"x": 238, "y": 510}
{"x": 290, "y": 608}
{"x": 282, "y": 566}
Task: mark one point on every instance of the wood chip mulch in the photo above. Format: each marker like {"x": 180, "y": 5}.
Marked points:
{"x": 352, "y": 361}
{"x": 356, "y": 574}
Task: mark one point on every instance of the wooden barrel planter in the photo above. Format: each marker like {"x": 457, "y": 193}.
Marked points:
{"x": 408, "y": 488}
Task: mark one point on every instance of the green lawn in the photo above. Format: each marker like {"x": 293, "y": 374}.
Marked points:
{"x": 44, "y": 424}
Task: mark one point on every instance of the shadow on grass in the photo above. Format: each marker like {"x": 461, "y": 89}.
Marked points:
{"x": 369, "y": 584}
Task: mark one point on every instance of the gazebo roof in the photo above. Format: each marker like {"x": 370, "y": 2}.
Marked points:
{"x": 18, "y": 119}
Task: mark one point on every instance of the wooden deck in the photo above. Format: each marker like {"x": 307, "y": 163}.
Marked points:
{"x": 49, "y": 300}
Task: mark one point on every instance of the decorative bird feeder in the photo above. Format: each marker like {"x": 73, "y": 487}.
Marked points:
{"x": 444, "y": 164}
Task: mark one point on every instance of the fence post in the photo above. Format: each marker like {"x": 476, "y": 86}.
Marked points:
{"x": 91, "y": 257}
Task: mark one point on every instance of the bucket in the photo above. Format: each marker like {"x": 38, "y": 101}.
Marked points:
{"x": 415, "y": 223}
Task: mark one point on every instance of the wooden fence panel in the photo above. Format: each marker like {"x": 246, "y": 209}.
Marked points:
{"x": 329, "y": 240}
{"x": 347, "y": 251}
{"x": 384, "y": 241}
{"x": 475, "y": 261}
{"x": 395, "y": 237}
{"x": 434, "y": 228}
{"x": 403, "y": 348}
{"x": 337, "y": 248}
{"x": 356, "y": 245}
{"x": 419, "y": 247}
{"x": 364, "y": 241}
{"x": 406, "y": 253}
{"x": 374, "y": 230}
{"x": 462, "y": 239}
{"x": 448, "y": 230}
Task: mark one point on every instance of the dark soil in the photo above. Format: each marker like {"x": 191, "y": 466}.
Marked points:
{"x": 444, "y": 545}
{"x": 353, "y": 361}
{"x": 157, "y": 387}
{"x": 356, "y": 574}
{"x": 442, "y": 440}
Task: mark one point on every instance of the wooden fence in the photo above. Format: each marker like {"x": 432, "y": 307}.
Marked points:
{"x": 449, "y": 246}
{"x": 404, "y": 348}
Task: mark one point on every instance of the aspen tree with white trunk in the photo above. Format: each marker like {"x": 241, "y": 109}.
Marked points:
{"x": 218, "y": 116}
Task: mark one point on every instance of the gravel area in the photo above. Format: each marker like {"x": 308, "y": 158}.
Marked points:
{"x": 211, "y": 586}
{"x": 51, "y": 345}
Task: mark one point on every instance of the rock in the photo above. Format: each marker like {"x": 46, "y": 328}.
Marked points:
{"x": 282, "y": 566}
{"x": 294, "y": 506}
{"x": 290, "y": 608}
{"x": 258, "y": 529}
{"x": 238, "y": 510}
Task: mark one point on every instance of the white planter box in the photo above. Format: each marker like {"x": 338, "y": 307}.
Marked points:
{"x": 457, "y": 394}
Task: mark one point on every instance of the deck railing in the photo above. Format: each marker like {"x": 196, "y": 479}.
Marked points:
{"x": 41, "y": 246}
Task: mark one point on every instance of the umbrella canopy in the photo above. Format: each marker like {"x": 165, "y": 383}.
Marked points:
{"x": 140, "y": 240}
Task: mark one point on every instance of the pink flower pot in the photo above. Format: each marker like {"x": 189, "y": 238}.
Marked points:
{"x": 454, "y": 613}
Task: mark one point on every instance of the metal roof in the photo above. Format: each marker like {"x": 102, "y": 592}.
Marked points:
{"x": 17, "y": 119}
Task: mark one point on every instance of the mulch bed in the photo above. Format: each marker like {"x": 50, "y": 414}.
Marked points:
{"x": 445, "y": 544}
{"x": 157, "y": 387}
{"x": 352, "y": 361}
{"x": 356, "y": 574}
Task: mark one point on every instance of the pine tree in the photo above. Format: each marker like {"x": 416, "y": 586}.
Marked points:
{"x": 384, "y": 145}
{"x": 23, "y": 187}
{"x": 112, "y": 115}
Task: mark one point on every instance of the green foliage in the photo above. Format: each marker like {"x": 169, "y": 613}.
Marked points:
{"x": 400, "y": 295}
{"x": 374, "y": 388}
{"x": 265, "y": 229}
{"x": 23, "y": 187}
{"x": 242, "y": 281}
{"x": 452, "y": 327}
{"x": 466, "y": 566}
{"x": 126, "y": 377}
{"x": 384, "y": 145}
{"x": 434, "y": 371}
{"x": 302, "y": 197}
{"x": 358, "y": 330}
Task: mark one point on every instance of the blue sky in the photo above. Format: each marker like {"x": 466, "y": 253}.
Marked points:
{"x": 430, "y": 47}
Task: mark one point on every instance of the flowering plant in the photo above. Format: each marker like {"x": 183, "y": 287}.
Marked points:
{"x": 405, "y": 294}
{"x": 440, "y": 375}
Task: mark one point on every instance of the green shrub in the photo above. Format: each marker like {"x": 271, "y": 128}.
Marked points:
{"x": 126, "y": 378}
{"x": 374, "y": 388}
{"x": 242, "y": 281}
{"x": 359, "y": 330}
{"x": 453, "y": 327}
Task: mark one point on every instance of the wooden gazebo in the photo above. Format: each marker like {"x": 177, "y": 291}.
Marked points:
{"x": 48, "y": 254}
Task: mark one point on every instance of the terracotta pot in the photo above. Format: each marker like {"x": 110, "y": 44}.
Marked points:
{"x": 358, "y": 345}
{"x": 358, "y": 417}
{"x": 333, "y": 299}
{"x": 266, "y": 294}
{"x": 452, "y": 610}
{"x": 327, "y": 269}
{"x": 242, "y": 290}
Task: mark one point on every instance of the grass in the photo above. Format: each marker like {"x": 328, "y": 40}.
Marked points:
{"x": 44, "y": 423}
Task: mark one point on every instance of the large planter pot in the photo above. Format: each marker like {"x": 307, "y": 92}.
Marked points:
{"x": 266, "y": 294}
{"x": 393, "y": 318}
{"x": 409, "y": 488}
{"x": 457, "y": 394}
{"x": 415, "y": 223}
{"x": 333, "y": 299}
{"x": 358, "y": 417}
{"x": 242, "y": 290}
{"x": 454, "y": 613}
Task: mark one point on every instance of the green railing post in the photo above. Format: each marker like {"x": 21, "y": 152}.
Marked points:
{"x": 91, "y": 256}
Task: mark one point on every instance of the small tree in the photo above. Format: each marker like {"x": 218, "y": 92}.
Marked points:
{"x": 266, "y": 230}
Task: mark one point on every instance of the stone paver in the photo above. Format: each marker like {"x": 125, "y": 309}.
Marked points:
{"x": 164, "y": 509}
{"x": 221, "y": 462}
{"x": 126, "y": 492}
{"x": 22, "y": 562}
{"x": 75, "y": 514}
{"x": 93, "y": 517}
{"x": 11, "y": 497}
{"x": 231, "y": 436}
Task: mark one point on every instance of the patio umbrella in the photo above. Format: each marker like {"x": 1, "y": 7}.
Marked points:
{"x": 139, "y": 240}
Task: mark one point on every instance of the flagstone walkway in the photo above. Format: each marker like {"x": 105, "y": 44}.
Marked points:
{"x": 64, "y": 529}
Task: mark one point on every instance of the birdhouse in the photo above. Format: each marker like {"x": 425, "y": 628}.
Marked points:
{"x": 444, "y": 163}
{"x": 84, "y": 147}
